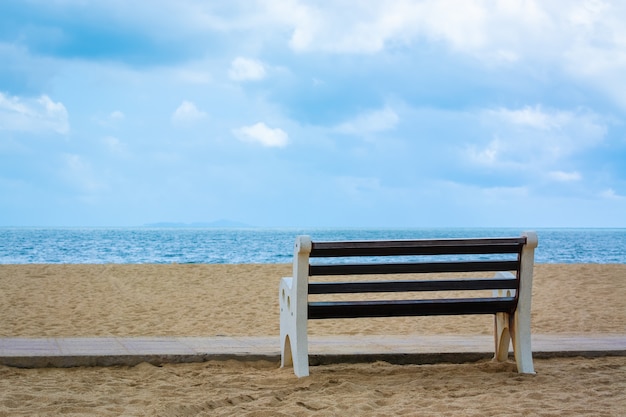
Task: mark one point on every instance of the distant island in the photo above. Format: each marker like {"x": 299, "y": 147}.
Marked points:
{"x": 223, "y": 223}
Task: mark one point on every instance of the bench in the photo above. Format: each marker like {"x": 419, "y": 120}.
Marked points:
{"x": 511, "y": 259}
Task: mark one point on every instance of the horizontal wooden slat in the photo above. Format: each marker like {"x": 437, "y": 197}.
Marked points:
{"x": 400, "y": 308}
{"x": 417, "y": 247}
{"x": 411, "y": 286}
{"x": 408, "y": 268}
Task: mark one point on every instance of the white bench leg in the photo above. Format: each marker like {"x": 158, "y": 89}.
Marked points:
{"x": 516, "y": 329}
{"x": 502, "y": 336}
{"x": 520, "y": 333}
{"x": 520, "y": 323}
{"x": 513, "y": 328}
{"x": 502, "y": 323}
{"x": 293, "y": 331}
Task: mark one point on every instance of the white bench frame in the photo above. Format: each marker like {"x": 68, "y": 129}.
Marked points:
{"x": 293, "y": 300}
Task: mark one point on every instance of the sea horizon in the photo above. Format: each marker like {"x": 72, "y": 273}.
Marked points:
{"x": 241, "y": 245}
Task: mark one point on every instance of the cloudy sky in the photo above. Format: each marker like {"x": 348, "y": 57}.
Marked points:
{"x": 309, "y": 113}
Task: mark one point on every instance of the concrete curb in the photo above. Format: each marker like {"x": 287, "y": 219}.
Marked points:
{"x": 74, "y": 352}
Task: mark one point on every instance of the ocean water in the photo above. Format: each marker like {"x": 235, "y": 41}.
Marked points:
{"x": 237, "y": 246}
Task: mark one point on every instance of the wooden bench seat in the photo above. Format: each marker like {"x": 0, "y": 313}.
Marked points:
{"x": 510, "y": 258}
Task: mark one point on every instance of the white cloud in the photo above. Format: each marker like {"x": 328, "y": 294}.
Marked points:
{"x": 367, "y": 27}
{"x": 80, "y": 173}
{"x": 488, "y": 155}
{"x": 562, "y": 176}
{"x": 187, "y": 113}
{"x": 244, "y": 69}
{"x": 262, "y": 134}
{"x": 112, "y": 119}
{"x": 610, "y": 194}
{"x": 585, "y": 38}
{"x": 536, "y": 137}
{"x": 370, "y": 122}
{"x": 115, "y": 146}
{"x": 533, "y": 117}
{"x": 33, "y": 115}
{"x": 362, "y": 27}
{"x": 117, "y": 116}
{"x": 597, "y": 50}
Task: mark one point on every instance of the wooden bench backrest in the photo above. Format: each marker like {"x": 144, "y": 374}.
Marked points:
{"x": 511, "y": 261}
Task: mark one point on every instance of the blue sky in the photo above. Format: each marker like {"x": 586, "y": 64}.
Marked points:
{"x": 291, "y": 113}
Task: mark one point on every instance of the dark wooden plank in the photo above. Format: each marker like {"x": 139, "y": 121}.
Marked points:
{"x": 417, "y": 247}
{"x": 400, "y": 308}
{"x": 408, "y": 268}
{"x": 411, "y": 286}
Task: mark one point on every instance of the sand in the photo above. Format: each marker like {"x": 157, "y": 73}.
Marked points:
{"x": 241, "y": 300}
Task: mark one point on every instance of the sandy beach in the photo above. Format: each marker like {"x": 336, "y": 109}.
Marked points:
{"x": 241, "y": 300}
